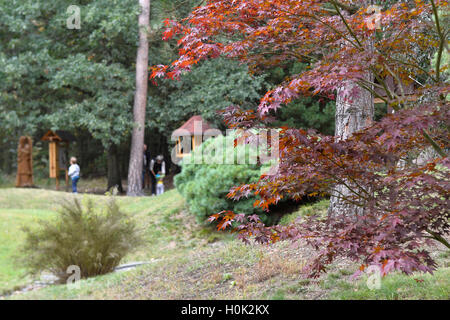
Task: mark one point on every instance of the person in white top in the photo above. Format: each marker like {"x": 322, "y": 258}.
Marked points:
{"x": 157, "y": 166}
{"x": 74, "y": 173}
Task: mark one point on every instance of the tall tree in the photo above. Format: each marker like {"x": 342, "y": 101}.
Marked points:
{"x": 80, "y": 80}
{"x": 140, "y": 101}
{"x": 351, "y": 116}
{"x": 353, "y": 113}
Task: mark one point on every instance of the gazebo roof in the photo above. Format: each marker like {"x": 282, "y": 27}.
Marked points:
{"x": 195, "y": 124}
{"x": 58, "y": 135}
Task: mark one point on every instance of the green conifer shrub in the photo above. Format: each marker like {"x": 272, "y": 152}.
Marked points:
{"x": 205, "y": 185}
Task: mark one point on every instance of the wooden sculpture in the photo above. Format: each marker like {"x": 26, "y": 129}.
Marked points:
{"x": 24, "y": 163}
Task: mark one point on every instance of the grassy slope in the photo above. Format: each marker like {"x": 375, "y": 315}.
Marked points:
{"x": 191, "y": 262}
{"x": 10, "y": 237}
{"x": 17, "y": 209}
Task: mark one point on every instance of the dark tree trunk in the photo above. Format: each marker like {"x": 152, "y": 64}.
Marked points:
{"x": 140, "y": 100}
{"x": 114, "y": 173}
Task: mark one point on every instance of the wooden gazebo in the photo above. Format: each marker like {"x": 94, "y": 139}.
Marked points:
{"x": 195, "y": 129}
{"x": 58, "y": 146}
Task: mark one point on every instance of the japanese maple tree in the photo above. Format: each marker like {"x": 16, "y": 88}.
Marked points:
{"x": 388, "y": 200}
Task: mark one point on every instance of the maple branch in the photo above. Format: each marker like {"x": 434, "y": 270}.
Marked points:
{"x": 438, "y": 237}
{"x": 442, "y": 40}
{"x": 331, "y": 11}
{"x": 400, "y": 84}
{"x": 413, "y": 65}
{"x": 395, "y": 39}
{"x": 350, "y": 9}
{"x": 371, "y": 83}
{"x": 345, "y": 198}
{"x": 435, "y": 146}
{"x": 296, "y": 55}
{"x": 346, "y": 24}
{"x": 342, "y": 181}
{"x": 304, "y": 56}
{"x": 372, "y": 91}
{"x": 383, "y": 83}
{"x": 357, "y": 184}
{"x": 433, "y": 143}
{"x": 334, "y": 29}
{"x": 416, "y": 65}
{"x": 316, "y": 18}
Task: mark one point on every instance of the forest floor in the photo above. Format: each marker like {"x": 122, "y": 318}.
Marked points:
{"x": 191, "y": 261}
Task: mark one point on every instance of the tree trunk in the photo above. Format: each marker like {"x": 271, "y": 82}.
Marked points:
{"x": 114, "y": 173}
{"x": 140, "y": 100}
{"x": 352, "y": 114}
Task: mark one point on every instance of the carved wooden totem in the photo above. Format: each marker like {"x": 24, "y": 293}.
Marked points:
{"x": 24, "y": 163}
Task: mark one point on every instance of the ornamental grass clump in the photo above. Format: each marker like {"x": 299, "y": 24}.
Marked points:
{"x": 93, "y": 240}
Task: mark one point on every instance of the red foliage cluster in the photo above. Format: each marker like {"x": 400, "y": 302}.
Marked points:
{"x": 405, "y": 203}
{"x": 340, "y": 46}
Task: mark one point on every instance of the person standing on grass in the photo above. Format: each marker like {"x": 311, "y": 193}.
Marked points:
{"x": 74, "y": 173}
{"x": 160, "y": 183}
{"x": 146, "y": 168}
{"x": 157, "y": 165}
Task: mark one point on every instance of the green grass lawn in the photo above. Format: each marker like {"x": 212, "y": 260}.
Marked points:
{"x": 165, "y": 229}
{"x": 190, "y": 261}
{"x": 11, "y": 220}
